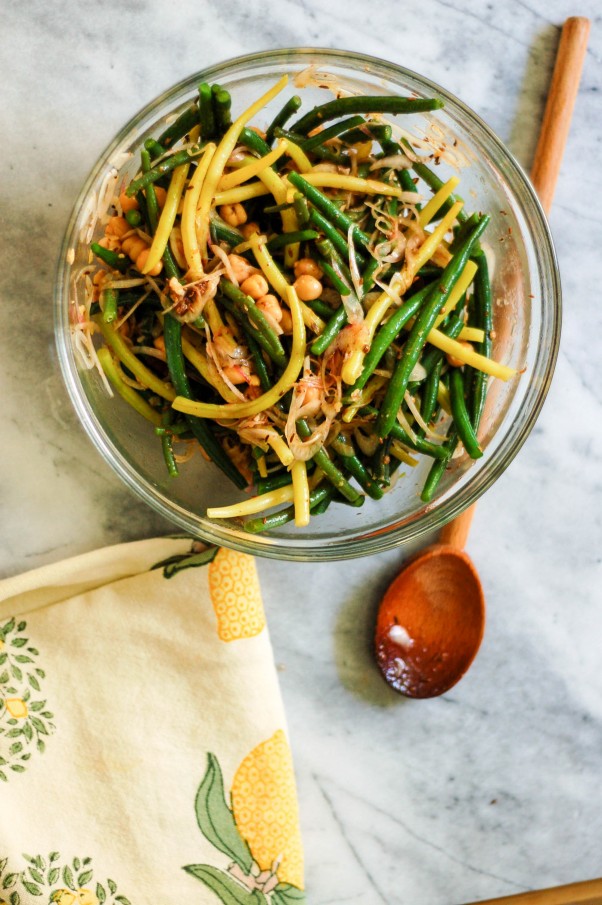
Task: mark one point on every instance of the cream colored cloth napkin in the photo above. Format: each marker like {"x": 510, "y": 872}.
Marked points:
{"x": 143, "y": 751}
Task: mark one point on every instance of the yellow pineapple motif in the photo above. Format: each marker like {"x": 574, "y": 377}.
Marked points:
{"x": 16, "y": 707}
{"x": 235, "y": 595}
{"x": 264, "y": 803}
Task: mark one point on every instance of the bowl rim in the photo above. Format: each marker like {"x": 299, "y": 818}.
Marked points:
{"x": 432, "y": 517}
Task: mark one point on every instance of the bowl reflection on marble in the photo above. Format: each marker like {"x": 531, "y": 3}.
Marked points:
{"x": 526, "y": 290}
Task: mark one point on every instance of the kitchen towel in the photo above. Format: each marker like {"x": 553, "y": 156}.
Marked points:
{"x": 143, "y": 747}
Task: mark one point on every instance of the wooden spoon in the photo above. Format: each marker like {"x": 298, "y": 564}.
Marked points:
{"x": 431, "y": 620}
{"x": 588, "y": 892}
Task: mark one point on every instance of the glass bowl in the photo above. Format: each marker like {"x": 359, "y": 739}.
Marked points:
{"x": 527, "y": 312}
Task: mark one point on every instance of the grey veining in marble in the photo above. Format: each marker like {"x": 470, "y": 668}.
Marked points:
{"x": 495, "y": 787}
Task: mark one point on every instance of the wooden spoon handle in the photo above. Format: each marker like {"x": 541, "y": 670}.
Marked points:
{"x": 559, "y": 108}
{"x": 587, "y": 893}
{"x": 546, "y": 167}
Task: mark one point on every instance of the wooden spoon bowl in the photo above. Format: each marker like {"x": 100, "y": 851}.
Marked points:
{"x": 430, "y": 623}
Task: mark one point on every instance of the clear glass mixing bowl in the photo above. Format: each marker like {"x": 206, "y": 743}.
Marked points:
{"x": 527, "y": 316}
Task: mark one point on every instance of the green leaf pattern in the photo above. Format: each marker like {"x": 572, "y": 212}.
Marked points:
{"x": 66, "y": 883}
{"x": 24, "y": 715}
{"x": 243, "y": 883}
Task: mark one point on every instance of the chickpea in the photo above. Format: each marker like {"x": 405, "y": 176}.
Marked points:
{"x": 161, "y": 195}
{"x": 308, "y": 266}
{"x": 141, "y": 261}
{"x": 117, "y": 226}
{"x": 307, "y": 287}
{"x": 270, "y": 305}
{"x": 233, "y": 214}
{"x": 159, "y": 343}
{"x": 286, "y": 322}
{"x": 127, "y": 203}
{"x": 456, "y": 362}
{"x": 256, "y": 286}
{"x": 250, "y": 229}
{"x": 241, "y": 268}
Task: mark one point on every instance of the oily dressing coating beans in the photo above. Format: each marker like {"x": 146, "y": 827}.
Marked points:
{"x": 311, "y": 320}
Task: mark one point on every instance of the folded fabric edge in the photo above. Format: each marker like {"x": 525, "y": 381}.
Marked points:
{"x": 58, "y": 581}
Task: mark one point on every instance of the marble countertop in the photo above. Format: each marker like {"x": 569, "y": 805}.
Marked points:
{"x": 493, "y": 788}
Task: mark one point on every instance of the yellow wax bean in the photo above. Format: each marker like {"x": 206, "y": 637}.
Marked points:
{"x": 254, "y": 505}
{"x": 251, "y": 169}
{"x": 241, "y": 193}
{"x": 188, "y": 223}
{"x": 125, "y": 355}
{"x": 127, "y": 392}
{"x": 464, "y": 281}
{"x": 300, "y": 494}
{"x": 439, "y": 198}
{"x": 469, "y": 356}
{"x": 167, "y": 218}
{"x": 220, "y": 158}
{"x": 352, "y": 184}
{"x": 274, "y": 394}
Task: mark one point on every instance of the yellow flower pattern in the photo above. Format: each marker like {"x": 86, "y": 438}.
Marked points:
{"x": 264, "y": 802}
{"x": 236, "y": 596}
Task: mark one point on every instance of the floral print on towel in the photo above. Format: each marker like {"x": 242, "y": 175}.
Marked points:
{"x": 25, "y": 721}
{"x": 259, "y": 833}
{"x": 55, "y": 881}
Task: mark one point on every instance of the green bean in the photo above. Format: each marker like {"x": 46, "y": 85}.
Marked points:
{"x": 277, "y": 519}
{"x": 321, "y": 308}
{"x": 369, "y": 274}
{"x": 200, "y": 428}
{"x": 320, "y": 137}
{"x": 433, "y": 181}
{"x": 340, "y": 266}
{"x": 323, "y": 224}
{"x": 265, "y": 335}
{"x": 423, "y": 324}
{"x": 160, "y": 169}
{"x": 221, "y": 232}
{"x": 430, "y": 390}
{"x": 360, "y": 104}
{"x": 419, "y": 443}
{"x": 325, "y": 205}
{"x": 222, "y": 109}
{"x": 152, "y": 210}
{"x": 282, "y": 117}
{"x": 460, "y": 414}
{"x": 301, "y": 209}
{"x": 167, "y": 447}
{"x": 259, "y": 361}
{"x": 438, "y": 468}
{"x": 110, "y": 298}
{"x": 303, "y": 235}
{"x": 382, "y": 462}
{"x": 387, "y": 334}
{"x": 320, "y": 151}
{"x": 133, "y": 218}
{"x": 452, "y": 328}
{"x": 335, "y": 278}
{"x": 332, "y": 328}
{"x": 345, "y": 451}
{"x": 206, "y": 116}
{"x": 180, "y": 127}
{"x": 483, "y": 305}
{"x": 254, "y": 142}
{"x": 154, "y": 148}
{"x": 117, "y": 261}
{"x": 273, "y": 482}
{"x": 370, "y": 131}
{"x": 325, "y": 463}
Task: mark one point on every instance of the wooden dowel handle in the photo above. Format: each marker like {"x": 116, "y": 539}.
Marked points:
{"x": 588, "y": 892}
{"x": 546, "y": 167}
{"x": 559, "y": 108}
